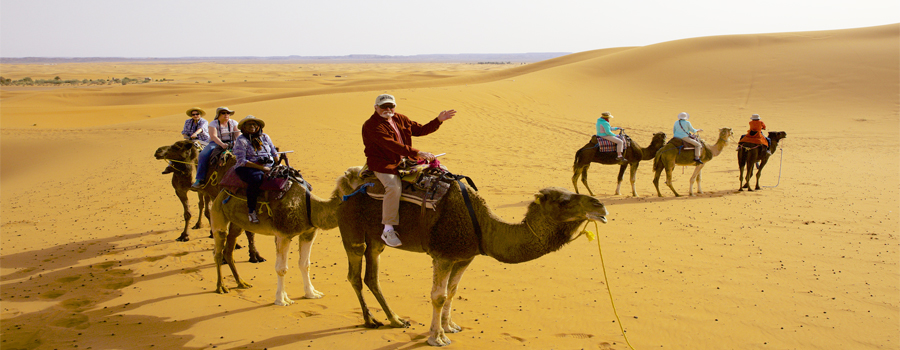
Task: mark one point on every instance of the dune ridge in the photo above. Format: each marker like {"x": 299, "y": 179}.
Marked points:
{"x": 809, "y": 262}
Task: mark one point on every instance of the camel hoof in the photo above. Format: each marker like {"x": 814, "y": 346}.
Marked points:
{"x": 221, "y": 289}
{"x": 283, "y": 300}
{"x": 195, "y": 226}
{"x": 245, "y": 285}
{"x": 314, "y": 295}
{"x": 255, "y": 258}
{"x": 183, "y": 238}
{"x": 398, "y": 323}
{"x": 452, "y": 328}
{"x": 373, "y": 324}
{"x": 441, "y": 341}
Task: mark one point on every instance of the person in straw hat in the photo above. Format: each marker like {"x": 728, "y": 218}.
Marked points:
{"x": 387, "y": 137}
{"x": 684, "y": 130}
{"x": 222, "y": 132}
{"x": 194, "y": 129}
{"x": 605, "y": 131}
{"x": 256, "y": 155}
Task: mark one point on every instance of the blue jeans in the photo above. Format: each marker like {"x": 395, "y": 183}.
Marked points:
{"x": 203, "y": 160}
{"x": 254, "y": 179}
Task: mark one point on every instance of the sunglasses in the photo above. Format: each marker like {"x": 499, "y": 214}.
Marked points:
{"x": 387, "y": 106}
{"x": 195, "y": 114}
{"x": 225, "y": 113}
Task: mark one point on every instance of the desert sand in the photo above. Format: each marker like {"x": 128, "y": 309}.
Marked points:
{"x": 89, "y": 257}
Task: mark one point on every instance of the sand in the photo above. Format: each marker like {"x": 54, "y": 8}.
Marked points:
{"x": 89, "y": 257}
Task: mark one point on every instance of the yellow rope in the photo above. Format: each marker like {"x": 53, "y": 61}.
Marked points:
{"x": 261, "y": 204}
{"x": 590, "y": 236}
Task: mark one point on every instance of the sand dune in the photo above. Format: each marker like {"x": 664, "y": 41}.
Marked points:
{"x": 88, "y": 223}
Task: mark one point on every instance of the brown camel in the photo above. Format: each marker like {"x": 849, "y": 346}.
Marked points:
{"x": 288, "y": 219}
{"x": 184, "y": 157}
{"x": 450, "y": 237}
{"x": 633, "y": 155}
{"x": 670, "y": 155}
{"x": 750, "y": 153}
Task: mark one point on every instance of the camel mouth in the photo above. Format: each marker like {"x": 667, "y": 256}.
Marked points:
{"x": 601, "y": 218}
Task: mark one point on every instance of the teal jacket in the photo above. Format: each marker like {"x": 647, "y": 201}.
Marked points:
{"x": 604, "y": 129}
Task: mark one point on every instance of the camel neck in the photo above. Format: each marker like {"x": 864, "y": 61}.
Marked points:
{"x": 534, "y": 237}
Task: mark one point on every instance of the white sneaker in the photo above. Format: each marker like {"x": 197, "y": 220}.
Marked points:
{"x": 391, "y": 238}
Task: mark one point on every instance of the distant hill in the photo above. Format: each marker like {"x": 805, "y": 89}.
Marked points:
{"x": 436, "y": 58}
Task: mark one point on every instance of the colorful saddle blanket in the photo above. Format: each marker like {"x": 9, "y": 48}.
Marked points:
{"x": 279, "y": 181}
{"x": 604, "y": 145}
{"x": 754, "y": 137}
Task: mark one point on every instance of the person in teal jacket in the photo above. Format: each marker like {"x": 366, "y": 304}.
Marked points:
{"x": 604, "y": 130}
{"x": 683, "y": 130}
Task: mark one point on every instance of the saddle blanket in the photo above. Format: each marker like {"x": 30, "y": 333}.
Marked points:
{"x": 681, "y": 144}
{"x": 604, "y": 145}
{"x": 277, "y": 186}
{"x": 754, "y": 137}
{"x": 419, "y": 183}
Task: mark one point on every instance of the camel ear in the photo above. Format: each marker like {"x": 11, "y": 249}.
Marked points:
{"x": 538, "y": 197}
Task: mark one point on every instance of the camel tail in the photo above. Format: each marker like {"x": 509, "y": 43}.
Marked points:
{"x": 657, "y": 165}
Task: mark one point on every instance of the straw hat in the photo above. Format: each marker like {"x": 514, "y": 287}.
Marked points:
{"x": 606, "y": 114}
{"x": 754, "y": 117}
{"x": 220, "y": 109}
{"x": 198, "y": 109}
{"x": 251, "y": 118}
{"x": 683, "y": 115}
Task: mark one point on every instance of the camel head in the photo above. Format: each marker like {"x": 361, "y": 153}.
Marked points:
{"x": 658, "y": 139}
{"x": 563, "y": 206}
{"x": 182, "y": 150}
{"x": 725, "y": 134}
{"x": 350, "y": 181}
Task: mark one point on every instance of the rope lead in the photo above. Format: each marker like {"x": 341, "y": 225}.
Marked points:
{"x": 590, "y": 236}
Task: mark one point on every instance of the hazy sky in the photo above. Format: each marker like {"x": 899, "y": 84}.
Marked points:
{"x": 189, "y": 28}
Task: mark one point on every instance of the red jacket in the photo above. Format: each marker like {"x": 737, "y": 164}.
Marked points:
{"x": 383, "y": 147}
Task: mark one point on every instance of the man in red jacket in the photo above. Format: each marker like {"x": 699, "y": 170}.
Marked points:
{"x": 387, "y": 136}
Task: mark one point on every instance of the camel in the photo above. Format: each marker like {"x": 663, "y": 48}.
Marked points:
{"x": 670, "y": 155}
{"x": 453, "y": 239}
{"x": 750, "y": 153}
{"x": 184, "y": 156}
{"x": 299, "y": 213}
{"x": 633, "y": 156}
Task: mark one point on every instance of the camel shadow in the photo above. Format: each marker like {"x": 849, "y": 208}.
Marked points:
{"x": 613, "y": 199}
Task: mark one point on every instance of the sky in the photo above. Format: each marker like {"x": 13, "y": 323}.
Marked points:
{"x": 224, "y": 28}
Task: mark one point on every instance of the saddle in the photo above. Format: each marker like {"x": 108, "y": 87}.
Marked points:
{"x": 754, "y": 137}
{"x": 604, "y": 145}
{"x": 423, "y": 184}
{"x": 681, "y": 145}
{"x": 274, "y": 186}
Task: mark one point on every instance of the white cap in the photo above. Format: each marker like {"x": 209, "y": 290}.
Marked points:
{"x": 384, "y": 98}
{"x": 683, "y": 115}
{"x": 754, "y": 117}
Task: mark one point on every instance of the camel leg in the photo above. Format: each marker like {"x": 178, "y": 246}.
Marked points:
{"x": 371, "y": 280}
{"x": 182, "y": 196}
{"x": 219, "y": 247}
{"x": 305, "y": 252}
{"x": 354, "y": 276}
{"x": 695, "y": 177}
{"x": 633, "y": 172}
{"x": 233, "y": 233}
{"x": 282, "y": 247}
{"x": 619, "y": 179}
{"x": 758, "y": 172}
{"x": 669, "y": 169}
{"x": 251, "y": 244}
{"x": 202, "y": 203}
{"x": 575, "y": 177}
{"x": 656, "y": 174}
{"x": 440, "y": 279}
{"x": 455, "y": 276}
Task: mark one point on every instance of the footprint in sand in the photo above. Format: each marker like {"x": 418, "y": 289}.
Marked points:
{"x": 520, "y": 339}
{"x": 575, "y": 335}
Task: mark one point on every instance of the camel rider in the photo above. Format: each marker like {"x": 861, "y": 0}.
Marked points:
{"x": 387, "y": 136}
{"x": 194, "y": 129}
{"x": 605, "y": 131}
{"x": 755, "y": 132}
{"x": 683, "y": 130}
{"x": 256, "y": 155}
{"x": 222, "y": 132}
